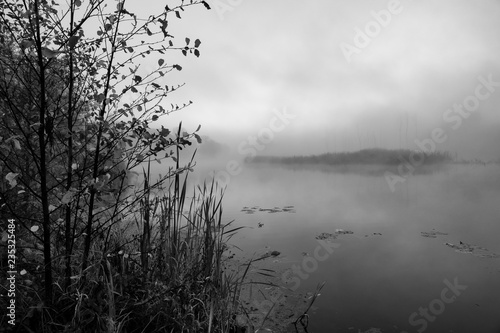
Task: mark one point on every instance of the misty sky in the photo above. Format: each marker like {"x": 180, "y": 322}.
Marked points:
{"x": 258, "y": 56}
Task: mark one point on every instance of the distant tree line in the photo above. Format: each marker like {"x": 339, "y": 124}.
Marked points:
{"x": 374, "y": 156}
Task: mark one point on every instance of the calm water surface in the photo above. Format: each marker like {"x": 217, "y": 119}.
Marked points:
{"x": 394, "y": 281}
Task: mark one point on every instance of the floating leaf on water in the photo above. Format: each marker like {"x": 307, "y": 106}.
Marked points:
{"x": 432, "y": 234}
{"x": 474, "y": 250}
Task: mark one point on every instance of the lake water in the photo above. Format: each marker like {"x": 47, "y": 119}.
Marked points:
{"x": 385, "y": 275}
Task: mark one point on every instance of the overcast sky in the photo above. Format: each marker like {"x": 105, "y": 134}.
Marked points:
{"x": 347, "y": 91}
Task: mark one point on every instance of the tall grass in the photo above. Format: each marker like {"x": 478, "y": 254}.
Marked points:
{"x": 160, "y": 269}
{"x": 174, "y": 281}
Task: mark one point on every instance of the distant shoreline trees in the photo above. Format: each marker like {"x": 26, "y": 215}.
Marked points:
{"x": 374, "y": 156}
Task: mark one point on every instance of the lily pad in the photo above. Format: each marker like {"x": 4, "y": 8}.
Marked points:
{"x": 474, "y": 250}
{"x": 335, "y": 235}
{"x": 275, "y": 253}
{"x": 432, "y": 234}
{"x": 254, "y": 209}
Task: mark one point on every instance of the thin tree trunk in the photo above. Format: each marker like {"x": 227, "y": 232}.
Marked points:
{"x": 68, "y": 233}
{"x": 95, "y": 171}
{"x": 43, "y": 166}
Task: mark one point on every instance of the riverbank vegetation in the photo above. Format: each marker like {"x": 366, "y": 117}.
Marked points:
{"x": 96, "y": 244}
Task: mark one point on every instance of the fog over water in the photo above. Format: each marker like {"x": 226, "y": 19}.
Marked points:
{"x": 355, "y": 74}
{"x": 286, "y": 78}
{"x": 386, "y": 270}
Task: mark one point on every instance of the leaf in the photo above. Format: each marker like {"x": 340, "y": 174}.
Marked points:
{"x": 78, "y": 3}
{"x": 137, "y": 79}
{"x": 23, "y": 272}
{"x": 197, "y": 43}
{"x": 196, "y": 53}
{"x": 66, "y": 199}
{"x": 34, "y": 228}
{"x": 155, "y": 118}
{"x": 161, "y": 62}
{"x": 133, "y": 89}
{"x": 72, "y": 41}
{"x": 199, "y": 126}
{"x": 164, "y": 132}
{"x": 130, "y": 49}
{"x": 49, "y": 53}
{"x": 177, "y": 14}
{"x": 17, "y": 145}
{"x": 52, "y": 208}
{"x": 26, "y": 43}
{"x": 11, "y": 178}
{"x": 206, "y": 5}
{"x": 178, "y": 67}
{"x": 100, "y": 98}
{"x": 198, "y": 139}
{"x": 187, "y": 41}
{"x": 184, "y": 52}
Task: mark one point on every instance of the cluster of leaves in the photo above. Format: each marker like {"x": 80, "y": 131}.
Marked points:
{"x": 78, "y": 101}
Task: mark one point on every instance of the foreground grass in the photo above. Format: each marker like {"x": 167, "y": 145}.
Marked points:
{"x": 159, "y": 270}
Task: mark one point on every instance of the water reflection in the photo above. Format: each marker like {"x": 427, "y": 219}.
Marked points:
{"x": 385, "y": 271}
